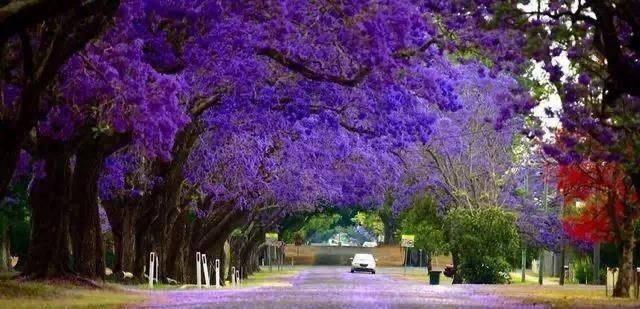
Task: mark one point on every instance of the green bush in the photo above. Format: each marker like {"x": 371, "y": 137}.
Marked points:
{"x": 484, "y": 238}
{"x": 583, "y": 271}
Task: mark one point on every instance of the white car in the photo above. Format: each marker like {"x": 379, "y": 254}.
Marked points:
{"x": 369, "y": 244}
{"x": 363, "y": 262}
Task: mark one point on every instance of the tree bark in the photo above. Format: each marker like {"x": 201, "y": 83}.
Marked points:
{"x": 122, "y": 215}
{"x": 48, "y": 253}
{"x": 8, "y": 158}
{"x": 176, "y": 240}
{"x": 86, "y": 234}
{"x": 5, "y": 247}
{"x": 625, "y": 274}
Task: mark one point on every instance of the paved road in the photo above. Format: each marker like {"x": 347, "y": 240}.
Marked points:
{"x": 335, "y": 287}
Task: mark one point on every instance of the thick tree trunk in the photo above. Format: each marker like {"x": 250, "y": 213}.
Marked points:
{"x": 8, "y": 158}
{"x": 625, "y": 274}
{"x": 389, "y": 225}
{"x": 165, "y": 198}
{"x": 236, "y": 246}
{"x": 122, "y": 218}
{"x": 635, "y": 179}
{"x": 176, "y": 241}
{"x": 48, "y": 253}
{"x": 5, "y": 247}
{"x": 248, "y": 254}
{"x": 86, "y": 234}
{"x": 143, "y": 247}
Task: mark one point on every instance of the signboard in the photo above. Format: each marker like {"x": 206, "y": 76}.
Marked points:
{"x": 271, "y": 238}
{"x": 407, "y": 241}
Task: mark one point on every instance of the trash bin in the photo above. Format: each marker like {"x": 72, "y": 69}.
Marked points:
{"x": 434, "y": 277}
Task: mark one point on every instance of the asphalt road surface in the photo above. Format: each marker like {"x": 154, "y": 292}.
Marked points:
{"x": 335, "y": 287}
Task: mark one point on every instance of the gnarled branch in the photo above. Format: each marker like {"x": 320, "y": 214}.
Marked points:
{"x": 310, "y": 74}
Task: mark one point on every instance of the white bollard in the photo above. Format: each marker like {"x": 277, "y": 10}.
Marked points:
{"x": 205, "y": 267}
{"x": 238, "y": 277}
{"x": 233, "y": 276}
{"x": 152, "y": 260}
{"x": 217, "y": 268}
{"x": 157, "y": 273}
{"x": 198, "y": 270}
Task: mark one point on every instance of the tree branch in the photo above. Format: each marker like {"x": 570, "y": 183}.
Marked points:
{"x": 310, "y": 74}
{"x": 202, "y": 104}
{"x": 17, "y": 15}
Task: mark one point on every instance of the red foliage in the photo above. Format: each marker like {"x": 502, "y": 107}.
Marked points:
{"x": 602, "y": 188}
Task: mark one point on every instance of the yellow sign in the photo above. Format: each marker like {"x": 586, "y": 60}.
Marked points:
{"x": 271, "y": 238}
{"x": 407, "y": 241}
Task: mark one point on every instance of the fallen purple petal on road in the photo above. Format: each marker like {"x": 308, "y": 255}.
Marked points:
{"x": 335, "y": 287}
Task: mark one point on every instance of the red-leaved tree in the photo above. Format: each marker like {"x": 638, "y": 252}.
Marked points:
{"x": 610, "y": 208}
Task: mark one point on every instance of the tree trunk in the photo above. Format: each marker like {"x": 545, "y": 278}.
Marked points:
{"x": 625, "y": 274}
{"x": 122, "y": 218}
{"x": 142, "y": 249}
{"x": 8, "y": 158}
{"x": 455, "y": 256}
{"x": 48, "y": 253}
{"x": 176, "y": 240}
{"x": 248, "y": 253}
{"x": 236, "y": 246}
{"x": 5, "y": 247}
{"x": 562, "y": 261}
{"x": 86, "y": 234}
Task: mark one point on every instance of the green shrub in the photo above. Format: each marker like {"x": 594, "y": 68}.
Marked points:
{"x": 583, "y": 271}
{"x": 484, "y": 238}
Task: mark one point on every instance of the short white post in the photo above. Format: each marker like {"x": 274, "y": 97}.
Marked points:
{"x": 238, "y": 277}
{"x": 198, "y": 270}
{"x": 157, "y": 273}
{"x": 205, "y": 266}
{"x": 152, "y": 260}
{"x": 217, "y": 268}
{"x": 233, "y": 275}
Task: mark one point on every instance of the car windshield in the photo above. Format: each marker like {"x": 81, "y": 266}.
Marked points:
{"x": 363, "y": 257}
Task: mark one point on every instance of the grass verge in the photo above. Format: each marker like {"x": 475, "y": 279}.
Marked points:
{"x": 567, "y": 296}
{"x": 20, "y": 295}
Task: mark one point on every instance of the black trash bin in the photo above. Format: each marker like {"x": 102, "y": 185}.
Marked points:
{"x": 434, "y": 277}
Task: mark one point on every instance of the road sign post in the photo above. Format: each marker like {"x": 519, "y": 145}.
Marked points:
{"x": 198, "y": 270}
{"x": 205, "y": 266}
{"x": 217, "y": 268}
{"x": 152, "y": 268}
{"x": 233, "y": 275}
{"x": 407, "y": 241}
